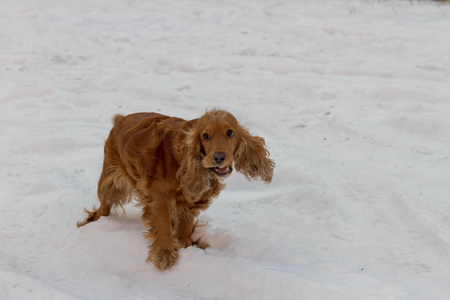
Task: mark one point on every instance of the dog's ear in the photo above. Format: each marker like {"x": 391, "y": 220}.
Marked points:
{"x": 194, "y": 179}
{"x": 193, "y": 145}
{"x": 252, "y": 158}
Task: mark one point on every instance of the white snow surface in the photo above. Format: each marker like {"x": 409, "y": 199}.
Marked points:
{"x": 352, "y": 98}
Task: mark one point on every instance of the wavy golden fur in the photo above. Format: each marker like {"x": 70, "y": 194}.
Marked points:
{"x": 174, "y": 168}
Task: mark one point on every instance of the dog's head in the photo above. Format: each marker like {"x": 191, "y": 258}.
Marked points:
{"x": 218, "y": 137}
{"x": 218, "y": 143}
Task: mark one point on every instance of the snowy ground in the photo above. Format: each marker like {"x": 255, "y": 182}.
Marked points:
{"x": 352, "y": 97}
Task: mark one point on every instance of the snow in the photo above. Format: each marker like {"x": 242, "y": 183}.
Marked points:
{"x": 352, "y": 97}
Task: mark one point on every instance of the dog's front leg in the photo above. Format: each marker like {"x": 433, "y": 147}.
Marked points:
{"x": 184, "y": 227}
{"x": 162, "y": 253}
{"x": 185, "y": 222}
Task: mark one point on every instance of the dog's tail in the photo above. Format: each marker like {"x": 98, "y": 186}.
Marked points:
{"x": 117, "y": 118}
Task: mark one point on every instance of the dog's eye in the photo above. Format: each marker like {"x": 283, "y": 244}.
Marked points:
{"x": 230, "y": 133}
{"x": 206, "y": 136}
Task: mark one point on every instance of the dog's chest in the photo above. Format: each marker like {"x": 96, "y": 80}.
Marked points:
{"x": 202, "y": 198}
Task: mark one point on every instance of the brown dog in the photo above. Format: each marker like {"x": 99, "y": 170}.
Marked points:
{"x": 174, "y": 168}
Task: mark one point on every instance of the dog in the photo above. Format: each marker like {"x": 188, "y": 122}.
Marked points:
{"x": 174, "y": 168}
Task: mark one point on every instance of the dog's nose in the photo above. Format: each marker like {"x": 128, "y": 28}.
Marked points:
{"x": 219, "y": 157}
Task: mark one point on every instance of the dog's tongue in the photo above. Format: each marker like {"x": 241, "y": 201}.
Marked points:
{"x": 221, "y": 170}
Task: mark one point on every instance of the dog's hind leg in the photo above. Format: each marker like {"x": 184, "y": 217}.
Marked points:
{"x": 114, "y": 189}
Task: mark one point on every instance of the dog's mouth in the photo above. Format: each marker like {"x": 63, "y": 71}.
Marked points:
{"x": 222, "y": 171}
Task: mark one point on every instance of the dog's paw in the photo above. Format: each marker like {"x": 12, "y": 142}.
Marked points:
{"x": 163, "y": 259}
{"x": 185, "y": 242}
{"x": 201, "y": 244}
{"x": 92, "y": 216}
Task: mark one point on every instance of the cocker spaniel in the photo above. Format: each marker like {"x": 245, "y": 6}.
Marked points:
{"x": 174, "y": 168}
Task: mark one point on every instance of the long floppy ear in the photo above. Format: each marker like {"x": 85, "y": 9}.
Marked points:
{"x": 251, "y": 158}
{"x": 194, "y": 179}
